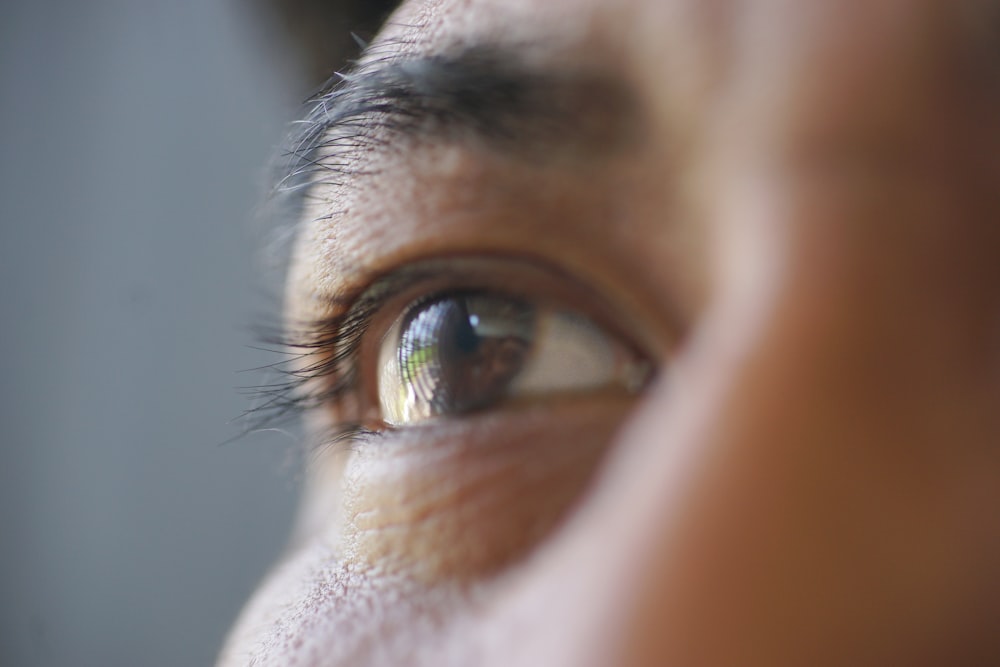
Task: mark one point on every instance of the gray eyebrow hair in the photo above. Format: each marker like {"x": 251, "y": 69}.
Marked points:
{"x": 486, "y": 94}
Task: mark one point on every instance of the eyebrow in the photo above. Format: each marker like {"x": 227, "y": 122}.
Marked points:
{"x": 482, "y": 96}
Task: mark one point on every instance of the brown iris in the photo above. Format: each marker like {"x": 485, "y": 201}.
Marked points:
{"x": 459, "y": 352}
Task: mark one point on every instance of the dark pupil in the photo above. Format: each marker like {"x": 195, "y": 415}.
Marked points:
{"x": 460, "y": 352}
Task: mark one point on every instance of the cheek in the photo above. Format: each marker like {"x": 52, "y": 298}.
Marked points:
{"x": 314, "y": 609}
{"x": 460, "y": 502}
{"x": 415, "y": 515}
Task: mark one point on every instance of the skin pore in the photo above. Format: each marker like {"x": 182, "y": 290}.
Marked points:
{"x": 789, "y": 212}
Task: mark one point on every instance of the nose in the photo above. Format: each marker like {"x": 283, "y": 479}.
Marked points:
{"x": 818, "y": 482}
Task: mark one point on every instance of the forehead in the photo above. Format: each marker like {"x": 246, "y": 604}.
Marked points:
{"x": 796, "y": 63}
{"x": 697, "y": 31}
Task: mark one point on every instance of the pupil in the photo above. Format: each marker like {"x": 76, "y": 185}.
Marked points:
{"x": 466, "y": 338}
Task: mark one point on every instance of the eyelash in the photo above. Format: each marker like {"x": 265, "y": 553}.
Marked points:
{"x": 304, "y": 384}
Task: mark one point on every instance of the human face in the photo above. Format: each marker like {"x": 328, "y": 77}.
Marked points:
{"x": 731, "y": 276}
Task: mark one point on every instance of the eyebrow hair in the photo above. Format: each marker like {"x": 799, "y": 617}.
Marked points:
{"x": 484, "y": 94}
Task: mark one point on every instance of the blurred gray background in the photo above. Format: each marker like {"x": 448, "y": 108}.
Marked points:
{"x": 133, "y": 140}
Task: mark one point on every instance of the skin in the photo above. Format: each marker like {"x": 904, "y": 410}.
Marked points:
{"x": 806, "y": 237}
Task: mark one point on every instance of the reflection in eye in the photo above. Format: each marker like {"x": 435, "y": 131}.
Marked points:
{"x": 461, "y": 352}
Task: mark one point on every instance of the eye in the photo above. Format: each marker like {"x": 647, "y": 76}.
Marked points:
{"x": 460, "y": 352}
